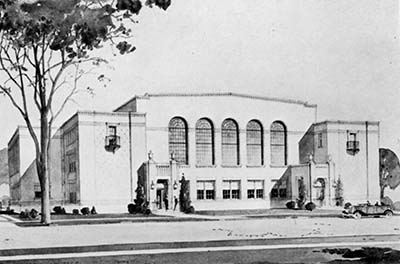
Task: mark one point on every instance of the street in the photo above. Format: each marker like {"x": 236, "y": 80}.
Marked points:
{"x": 285, "y": 240}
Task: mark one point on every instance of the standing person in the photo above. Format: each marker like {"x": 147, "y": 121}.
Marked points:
{"x": 175, "y": 202}
{"x": 166, "y": 202}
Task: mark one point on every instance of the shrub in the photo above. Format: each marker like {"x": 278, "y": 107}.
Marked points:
{"x": 185, "y": 204}
{"x": 339, "y": 192}
{"x": 75, "y": 211}
{"x": 131, "y": 208}
{"x": 147, "y": 211}
{"x": 310, "y": 206}
{"x": 387, "y": 201}
{"x": 33, "y": 214}
{"x": 140, "y": 205}
{"x": 396, "y": 206}
{"x": 190, "y": 210}
{"x": 93, "y": 211}
{"x": 291, "y": 205}
{"x": 302, "y": 193}
{"x": 59, "y": 210}
{"x": 347, "y": 205}
{"x": 24, "y": 214}
{"x": 85, "y": 210}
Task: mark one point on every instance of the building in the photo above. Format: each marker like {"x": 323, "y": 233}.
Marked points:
{"x": 24, "y": 182}
{"x": 4, "y": 179}
{"x": 333, "y": 150}
{"x": 234, "y": 149}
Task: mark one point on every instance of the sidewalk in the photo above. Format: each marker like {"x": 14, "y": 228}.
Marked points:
{"x": 176, "y": 216}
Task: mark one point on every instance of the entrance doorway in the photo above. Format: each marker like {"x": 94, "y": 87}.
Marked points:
{"x": 162, "y": 194}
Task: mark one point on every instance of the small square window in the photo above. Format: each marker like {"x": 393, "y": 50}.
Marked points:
{"x": 259, "y": 193}
{"x": 250, "y": 194}
{"x": 112, "y": 130}
{"x": 226, "y": 194}
{"x": 210, "y": 194}
{"x": 38, "y": 194}
{"x": 200, "y": 194}
{"x": 235, "y": 194}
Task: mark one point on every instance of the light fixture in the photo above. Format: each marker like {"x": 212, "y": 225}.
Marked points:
{"x": 152, "y": 185}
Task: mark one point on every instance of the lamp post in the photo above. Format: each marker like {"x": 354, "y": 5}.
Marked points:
{"x": 310, "y": 158}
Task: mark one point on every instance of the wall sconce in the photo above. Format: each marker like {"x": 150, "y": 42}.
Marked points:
{"x": 175, "y": 185}
{"x": 152, "y": 185}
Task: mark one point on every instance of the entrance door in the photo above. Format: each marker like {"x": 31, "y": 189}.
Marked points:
{"x": 162, "y": 193}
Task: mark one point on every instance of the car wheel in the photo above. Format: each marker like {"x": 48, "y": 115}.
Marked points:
{"x": 357, "y": 215}
{"x": 388, "y": 213}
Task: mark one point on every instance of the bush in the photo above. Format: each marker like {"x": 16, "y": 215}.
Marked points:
{"x": 338, "y": 185}
{"x": 396, "y": 206}
{"x": 93, "y": 211}
{"x": 300, "y": 203}
{"x": 387, "y": 201}
{"x": 24, "y": 214}
{"x": 85, "y": 210}
{"x": 33, "y": 214}
{"x": 59, "y": 210}
{"x": 190, "y": 210}
{"x": 310, "y": 206}
{"x": 131, "y": 208}
{"x": 147, "y": 211}
{"x": 291, "y": 205}
{"x": 347, "y": 205}
{"x": 75, "y": 211}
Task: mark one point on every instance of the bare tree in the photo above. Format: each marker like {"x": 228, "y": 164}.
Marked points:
{"x": 40, "y": 42}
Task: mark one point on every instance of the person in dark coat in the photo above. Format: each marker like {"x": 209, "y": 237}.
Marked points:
{"x": 166, "y": 202}
{"x": 175, "y": 202}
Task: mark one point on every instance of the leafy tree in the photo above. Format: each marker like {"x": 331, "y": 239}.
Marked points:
{"x": 389, "y": 170}
{"x": 43, "y": 42}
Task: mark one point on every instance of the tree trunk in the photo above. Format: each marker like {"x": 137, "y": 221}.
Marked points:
{"x": 43, "y": 170}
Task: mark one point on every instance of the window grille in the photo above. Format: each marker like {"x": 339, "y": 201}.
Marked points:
{"x": 178, "y": 139}
{"x": 278, "y": 144}
{"x": 254, "y": 135}
{"x": 205, "y": 190}
{"x": 231, "y": 189}
{"x": 255, "y": 189}
{"x": 230, "y": 143}
{"x": 204, "y": 142}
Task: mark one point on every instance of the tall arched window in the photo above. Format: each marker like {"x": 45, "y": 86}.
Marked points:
{"x": 278, "y": 144}
{"x": 255, "y": 144}
{"x": 230, "y": 142}
{"x": 204, "y": 142}
{"x": 178, "y": 139}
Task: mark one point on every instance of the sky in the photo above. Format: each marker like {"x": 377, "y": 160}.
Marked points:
{"x": 343, "y": 55}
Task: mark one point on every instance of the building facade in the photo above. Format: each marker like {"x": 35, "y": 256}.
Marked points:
{"x": 333, "y": 150}
{"x": 236, "y": 151}
{"x": 24, "y": 182}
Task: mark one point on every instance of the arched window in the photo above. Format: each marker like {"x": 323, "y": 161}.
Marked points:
{"x": 255, "y": 144}
{"x": 278, "y": 144}
{"x": 204, "y": 142}
{"x": 178, "y": 139}
{"x": 230, "y": 142}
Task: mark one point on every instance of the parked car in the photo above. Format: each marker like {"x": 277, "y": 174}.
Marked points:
{"x": 357, "y": 211}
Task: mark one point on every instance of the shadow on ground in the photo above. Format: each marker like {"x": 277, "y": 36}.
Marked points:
{"x": 365, "y": 255}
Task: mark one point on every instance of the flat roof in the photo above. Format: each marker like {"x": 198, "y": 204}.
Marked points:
{"x": 347, "y": 122}
{"x": 257, "y": 97}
